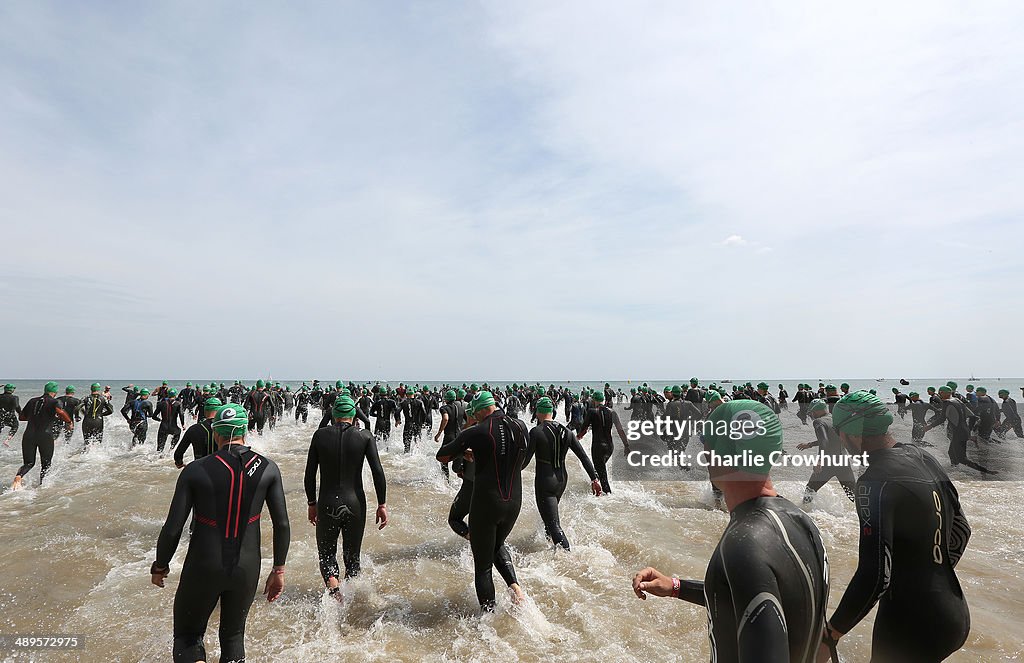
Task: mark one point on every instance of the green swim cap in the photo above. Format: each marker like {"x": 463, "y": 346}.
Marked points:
{"x": 9, "y": 387}
{"x": 461, "y": 393}
{"x": 212, "y": 403}
{"x": 951, "y": 385}
{"x": 861, "y": 413}
{"x": 260, "y": 384}
{"x": 1004, "y": 392}
{"x": 895, "y": 390}
{"x": 931, "y": 389}
{"x": 344, "y": 408}
{"x": 545, "y": 406}
{"x": 739, "y": 426}
{"x": 694, "y": 381}
{"x": 337, "y": 384}
{"x": 712, "y": 396}
{"x": 473, "y": 387}
{"x": 969, "y": 387}
{"x": 230, "y": 421}
{"x": 762, "y": 385}
{"x": 818, "y": 405}
{"x": 914, "y": 393}
{"x": 844, "y": 385}
{"x": 482, "y": 400}
{"x": 51, "y": 387}
{"x": 165, "y": 382}
{"x": 599, "y": 396}
{"x": 144, "y": 392}
{"x": 982, "y": 390}
{"x": 172, "y": 392}
{"x": 70, "y": 389}
{"x": 946, "y": 388}
{"x": 677, "y": 390}
{"x": 188, "y": 384}
{"x": 449, "y": 395}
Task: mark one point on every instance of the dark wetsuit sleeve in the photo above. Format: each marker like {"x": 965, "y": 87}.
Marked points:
{"x": 179, "y": 451}
{"x": 380, "y": 485}
{"x": 361, "y": 416}
{"x": 692, "y": 591}
{"x": 312, "y": 465}
{"x": 170, "y": 533}
{"x": 279, "y": 517}
{"x": 870, "y": 580}
{"x": 577, "y": 449}
{"x": 939, "y": 418}
{"x": 761, "y": 626}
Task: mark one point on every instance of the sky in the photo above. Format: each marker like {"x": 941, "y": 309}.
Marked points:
{"x": 511, "y": 190}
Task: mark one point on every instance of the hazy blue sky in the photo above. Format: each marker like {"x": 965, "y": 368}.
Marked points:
{"x": 585, "y": 190}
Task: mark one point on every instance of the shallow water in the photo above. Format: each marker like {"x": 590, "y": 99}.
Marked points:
{"x": 77, "y": 554}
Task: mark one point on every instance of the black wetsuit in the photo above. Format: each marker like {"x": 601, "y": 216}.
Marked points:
{"x": 198, "y": 437}
{"x": 766, "y": 586}
{"x": 551, "y": 442}
{"x": 384, "y": 410}
{"x": 414, "y": 415}
{"x": 137, "y": 413}
{"x": 1011, "y": 418}
{"x": 302, "y": 406}
{"x": 456, "y": 413}
{"x": 10, "y": 410}
{"x": 227, "y": 491}
{"x": 169, "y": 414}
{"x": 39, "y": 414}
{"x": 803, "y": 399}
{"x": 501, "y": 449}
{"x": 93, "y": 409}
{"x": 956, "y": 416}
{"x": 260, "y": 406}
{"x": 338, "y": 452}
{"x": 912, "y": 534}
{"x": 919, "y": 411}
{"x": 831, "y": 458}
{"x": 69, "y": 404}
{"x": 600, "y": 420}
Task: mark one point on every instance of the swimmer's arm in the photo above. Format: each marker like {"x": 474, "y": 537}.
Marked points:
{"x": 278, "y": 516}
{"x": 361, "y": 416}
{"x": 618, "y": 427}
{"x": 937, "y": 420}
{"x": 380, "y": 485}
{"x": 63, "y": 415}
{"x": 577, "y": 448}
{"x": 454, "y": 448}
{"x": 309, "y": 479}
{"x": 869, "y": 581}
{"x": 531, "y": 448}
{"x": 692, "y": 591}
{"x": 181, "y": 415}
{"x": 170, "y": 533}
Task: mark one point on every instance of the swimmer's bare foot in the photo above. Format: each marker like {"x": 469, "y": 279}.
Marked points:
{"x": 334, "y": 589}
{"x": 7, "y": 441}
{"x": 516, "y": 593}
{"x": 16, "y": 485}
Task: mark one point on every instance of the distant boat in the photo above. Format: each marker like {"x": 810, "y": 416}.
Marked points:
{"x": 725, "y": 381}
{"x": 904, "y": 382}
{"x": 879, "y": 379}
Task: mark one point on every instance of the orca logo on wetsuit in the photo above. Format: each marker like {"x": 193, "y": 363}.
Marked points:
{"x": 937, "y": 541}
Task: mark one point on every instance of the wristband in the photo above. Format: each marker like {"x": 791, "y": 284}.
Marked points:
{"x": 279, "y": 572}
{"x": 675, "y": 587}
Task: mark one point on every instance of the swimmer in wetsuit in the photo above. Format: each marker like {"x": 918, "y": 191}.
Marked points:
{"x": 338, "y": 452}
{"x": 199, "y": 436}
{"x": 170, "y": 414}
{"x": 602, "y": 419}
{"x": 93, "y": 409}
{"x": 40, "y": 414}
{"x": 956, "y": 416}
{"x": 260, "y": 406}
{"x": 137, "y": 413}
{"x": 227, "y": 491}
{"x": 912, "y": 534}
{"x": 69, "y": 403}
{"x": 551, "y": 442}
{"x": 453, "y": 418}
{"x": 831, "y": 446}
{"x": 766, "y": 586}
{"x": 10, "y": 410}
{"x": 501, "y": 448}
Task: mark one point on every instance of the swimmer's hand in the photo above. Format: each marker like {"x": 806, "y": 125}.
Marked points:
{"x": 595, "y": 487}
{"x": 651, "y": 581}
{"x": 157, "y": 576}
{"x": 275, "y": 584}
{"x": 311, "y": 514}
{"x": 382, "y": 516}
{"x": 625, "y": 449}
{"x": 805, "y": 445}
{"x": 437, "y": 437}
{"x": 468, "y": 455}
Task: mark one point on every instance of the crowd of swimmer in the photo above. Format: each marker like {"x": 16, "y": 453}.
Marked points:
{"x": 766, "y": 585}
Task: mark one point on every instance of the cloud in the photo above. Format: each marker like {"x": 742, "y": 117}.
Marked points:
{"x": 362, "y": 172}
